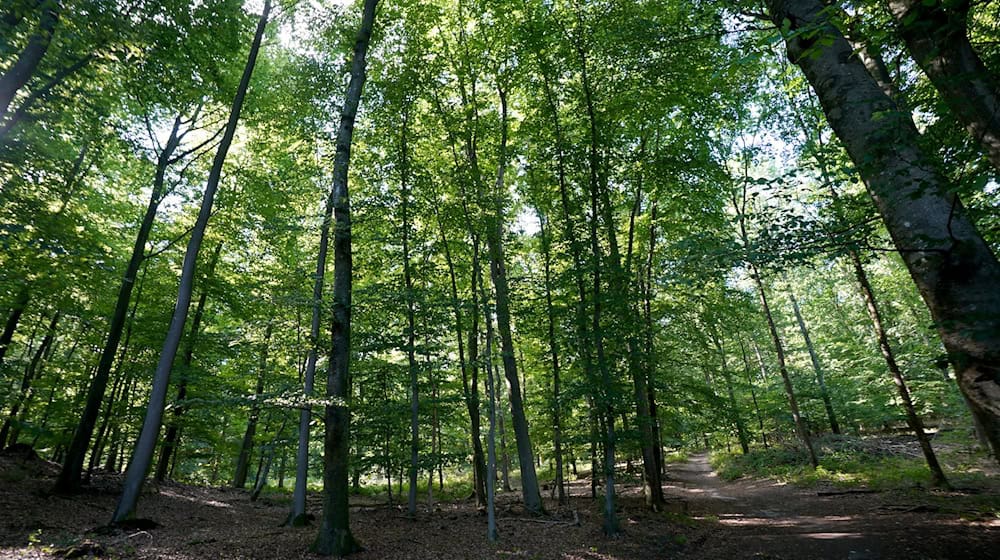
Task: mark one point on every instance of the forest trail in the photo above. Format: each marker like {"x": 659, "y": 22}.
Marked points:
{"x": 770, "y": 520}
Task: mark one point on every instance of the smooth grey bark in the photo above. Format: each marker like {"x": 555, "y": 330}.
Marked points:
{"x": 335, "y": 536}
{"x": 817, "y": 367}
{"x": 491, "y": 437}
{"x": 69, "y": 476}
{"x": 146, "y": 443}
{"x": 498, "y": 273}
{"x": 18, "y": 74}
{"x": 170, "y": 440}
{"x": 247, "y": 445}
{"x": 937, "y": 36}
{"x": 950, "y": 263}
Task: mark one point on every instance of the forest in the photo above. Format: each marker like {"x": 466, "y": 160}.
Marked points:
{"x": 475, "y": 279}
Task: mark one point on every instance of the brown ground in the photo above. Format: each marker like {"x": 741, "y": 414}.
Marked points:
{"x": 706, "y": 518}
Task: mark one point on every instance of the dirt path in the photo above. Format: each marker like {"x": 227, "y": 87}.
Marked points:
{"x": 767, "y": 519}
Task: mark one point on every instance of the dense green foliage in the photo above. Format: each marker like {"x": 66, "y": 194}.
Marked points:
{"x": 636, "y": 162}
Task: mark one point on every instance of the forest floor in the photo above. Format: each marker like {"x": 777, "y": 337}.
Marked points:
{"x": 706, "y": 518}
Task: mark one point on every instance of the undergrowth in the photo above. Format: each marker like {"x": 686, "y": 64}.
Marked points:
{"x": 885, "y": 462}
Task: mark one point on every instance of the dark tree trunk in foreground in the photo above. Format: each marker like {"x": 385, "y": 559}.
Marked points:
{"x": 335, "y": 536}
{"x": 954, "y": 269}
{"x": 817, "y": 368}
{"x": 142, "y": 457}
{"x": 69, "y": 476}
{"x": 936, "y": 34}
{"x": 168, "y": 449}
{"x": 246, "y": 447}
{"x": 498, "y": 272}
{"x": 18, "y": 74}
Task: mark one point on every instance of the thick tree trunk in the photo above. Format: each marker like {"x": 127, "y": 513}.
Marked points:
{"x": 246, "y": 447}
{"x": 18, "y": 74}
{"x": 952, "y": 266}
{"x": 171, "y": 438}
{"x": 936, "y": 34}
{"x": 146, "y": 443}
{"x": 335, "y": 536}
{"x": 820, "y": 377}
{"x": 69, "y": 476}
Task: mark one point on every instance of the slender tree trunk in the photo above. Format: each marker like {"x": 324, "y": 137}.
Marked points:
{"x": 936, "y": 34}
{"x": 69, "y": 476}
{"x": 30, "y": 373}
{"x": 335, "y": 536}
{"x": 411, "y": 357}
{"x": 18, "y": 74}
{"x": 498, "y": 273}
{"x": 560, "y": 486}
{"x": 470, "y": 393}
{"x": 491, "y": 437}
{"x": 952, "y": 266}
{"x": 246, "y": 448}
{"x": 171, "y": 438}
{"x": 820, "y": 377}
{"x": 734, "y": 410}
{"x": 20, "y": 303}
{"x": 753, "y": 392}
{"x": 146, "y": 443}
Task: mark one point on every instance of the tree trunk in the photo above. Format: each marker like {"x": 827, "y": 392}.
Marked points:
{"x": 936, "y": 34}
{"x": 491, "y": 437}
{"x": 952, "y": 266}
{"x": 820, "y": 378}
{"x": 69, "y": 476}
{"x": 734, "y": 410}
{"x": 18, "y": 74}
{"x": 470, "y": 393}
{"x": 560, "y": 486}
{"x": 411, "y": 357}
{"x": 171, "y": 438}
{"x": 246, "y": 447}
{"x": 20, "y": 302}
{"x": 146, "y": 443}
{"x": 335, "y": 536}
{"x": 753, "y": 392}
{"x": 498, "y": 273}
{"x": 30, "y": 373}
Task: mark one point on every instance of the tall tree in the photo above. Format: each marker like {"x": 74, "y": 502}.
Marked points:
{"x": 142, "y": 456}
{"x": 952, "y": 266}
{"x": 335, "y": 536}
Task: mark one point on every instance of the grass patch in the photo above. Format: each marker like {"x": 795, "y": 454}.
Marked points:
{"x": 879, "y": 463}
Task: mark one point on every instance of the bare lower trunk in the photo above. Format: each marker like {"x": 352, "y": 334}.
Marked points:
{"x": 246, "y": 447}
{"x": 817, "y": 368}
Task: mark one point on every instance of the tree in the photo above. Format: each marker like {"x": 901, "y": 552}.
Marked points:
{"x": 335, "y": 538}
{"x": 950, "y": 262}
{"x": 143, "y": 454}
